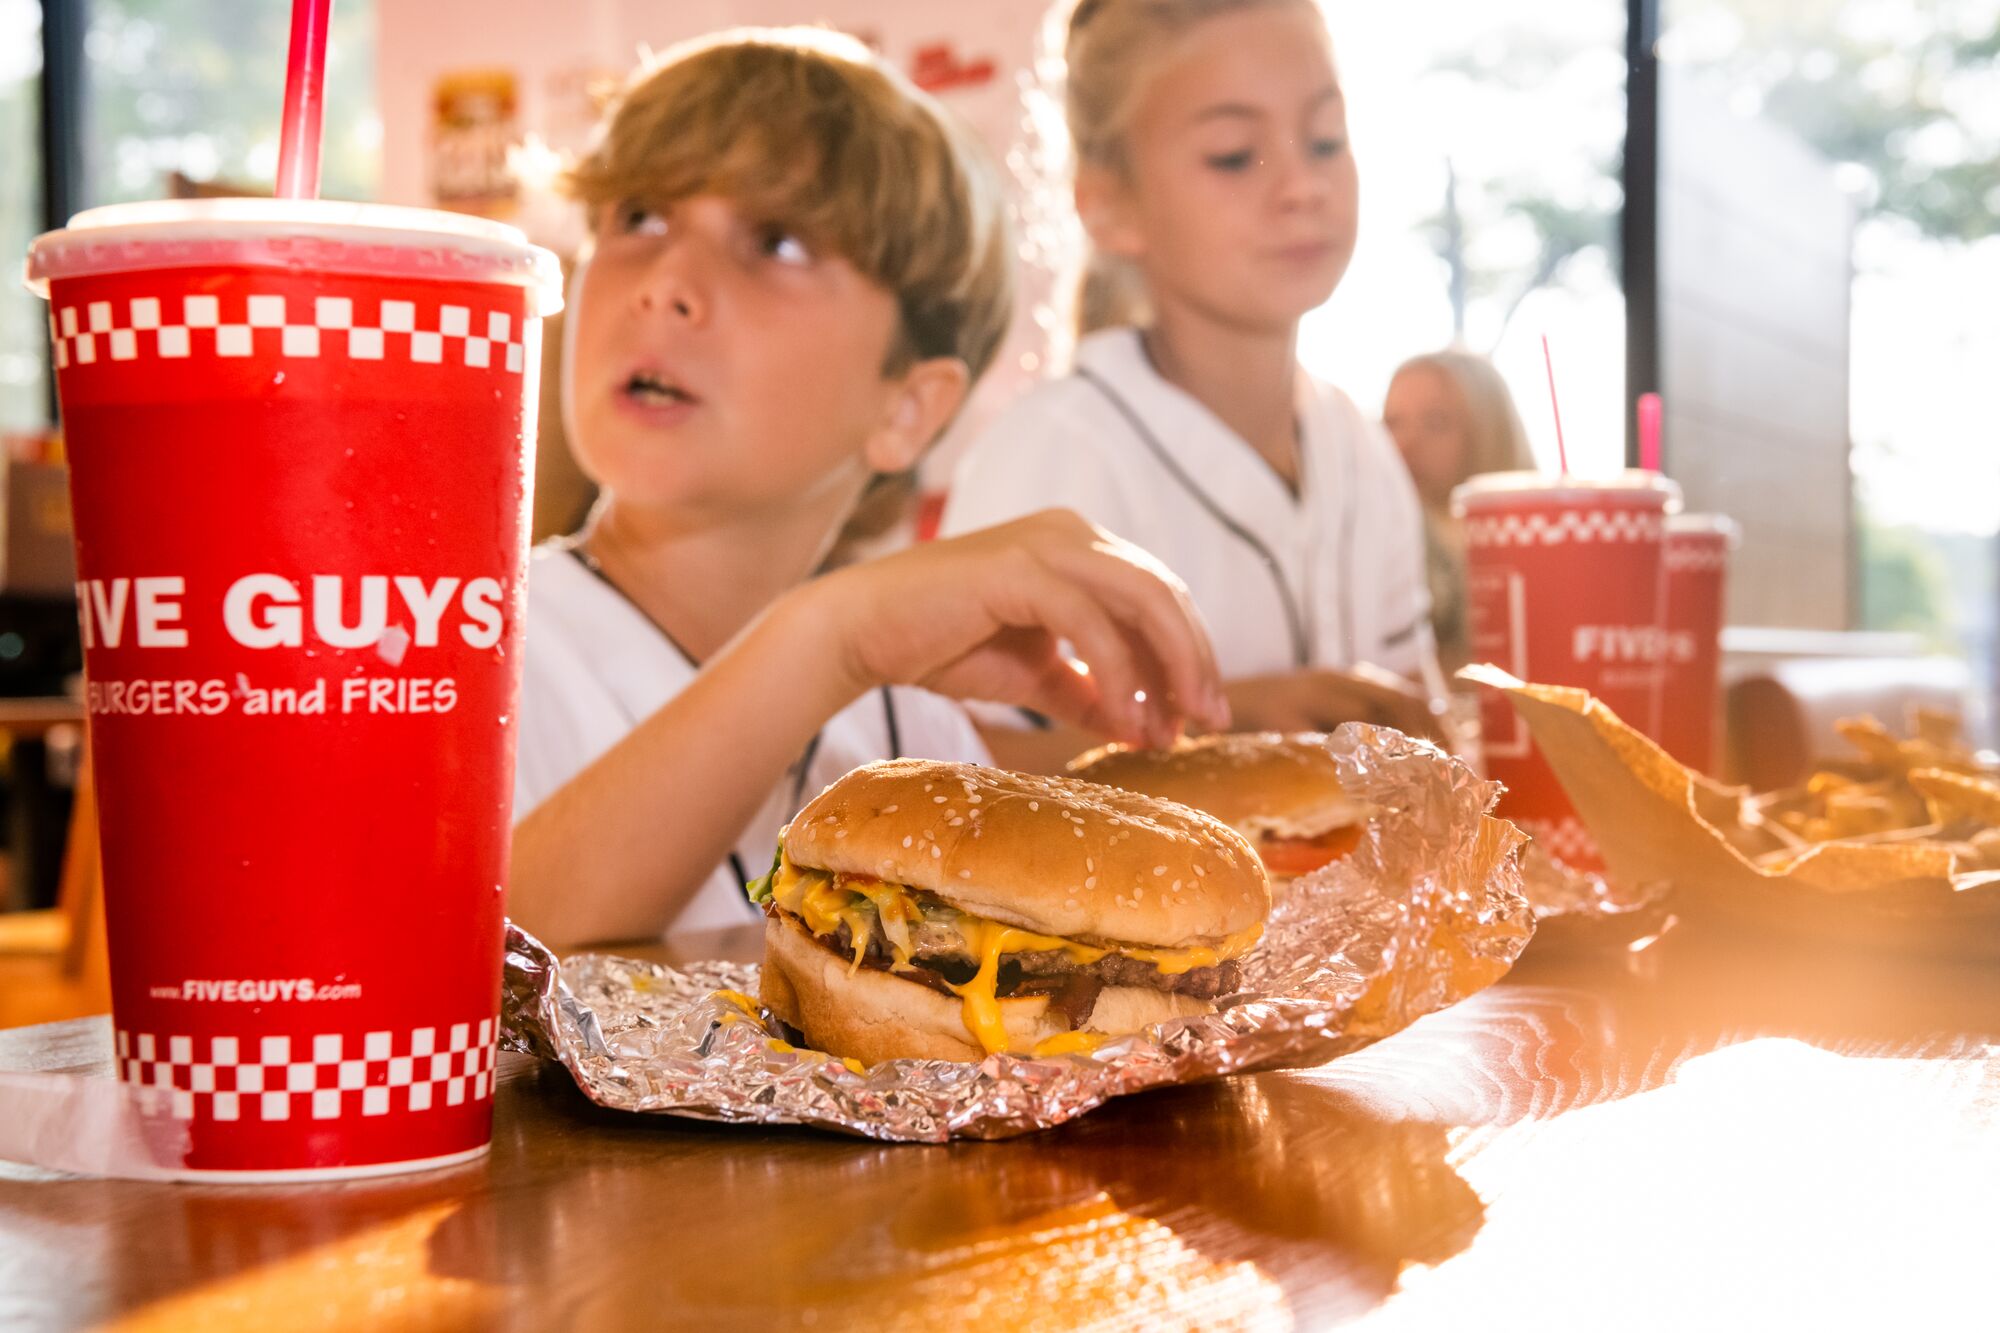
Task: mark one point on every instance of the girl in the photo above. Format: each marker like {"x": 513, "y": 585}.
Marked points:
{"x": 1452, "y": 418}
{"x": 1217, "y": 188}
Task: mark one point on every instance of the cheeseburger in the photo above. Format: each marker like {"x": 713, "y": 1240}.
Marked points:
{"x": 1282, "y": 793}
{"x": 947, "y": 911}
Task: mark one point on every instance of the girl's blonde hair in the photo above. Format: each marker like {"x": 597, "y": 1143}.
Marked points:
{"x": 1111, "y": 49}
{"x": 1495, "y": 439}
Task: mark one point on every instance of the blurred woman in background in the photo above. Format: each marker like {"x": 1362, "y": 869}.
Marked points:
{"x": 1452, "y": 417}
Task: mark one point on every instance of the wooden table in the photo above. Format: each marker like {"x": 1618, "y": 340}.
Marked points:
{"x": 1676, "y": 1138}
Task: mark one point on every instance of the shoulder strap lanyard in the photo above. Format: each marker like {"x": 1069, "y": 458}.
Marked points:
{"x": 804, "y": 765}
{"x": 812, "y": 748}
{"x": 895, "y": 732}
{"x": 1294, "y": 617}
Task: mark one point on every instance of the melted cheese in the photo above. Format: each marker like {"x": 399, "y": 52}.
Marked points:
{"x": 860, "y": 929}
{"x": 823, "y": 901}
{"x": 1069, "y": 1043}
{"x": 988, "y": 940}
{"x": 809, "y": 895}
{"x": 775, "y": 1045}
{"x": 978, "y": 932}
{"x": 741, "y": 1001}
{"x": 778, "y": 1046}
{"x": 1174, "y": 962}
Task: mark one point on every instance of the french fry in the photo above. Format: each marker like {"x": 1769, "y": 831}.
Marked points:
{"x": 1852, "y": 814}
{"x": 1936, "y": 727}
{"x": 1985, "y": 847}
{"x": 1930, "y": 786}
{"x": 1869, "y": 736}
{"x": 1954, "y": 796}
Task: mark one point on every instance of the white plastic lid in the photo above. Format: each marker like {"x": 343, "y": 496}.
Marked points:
{"x": 1496, "y": 486}
{"x": 374, "y": 240}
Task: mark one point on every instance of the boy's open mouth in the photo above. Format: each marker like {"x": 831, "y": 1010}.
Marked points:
{"x": 649, "y": 389}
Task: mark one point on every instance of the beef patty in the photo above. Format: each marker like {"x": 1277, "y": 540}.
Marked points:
{"x": 940, "y": 960}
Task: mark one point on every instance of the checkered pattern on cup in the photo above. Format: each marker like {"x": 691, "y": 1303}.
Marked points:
{"x": 1617, "y": 525}
{"x": 325, "y": 1076}
{"x": 194, "y": 325}
{"x": 1566, "y": 839}
{"x": 1701, "y": 555}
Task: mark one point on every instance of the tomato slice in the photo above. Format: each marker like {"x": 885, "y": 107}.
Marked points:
{"x": 1288, "y": 858}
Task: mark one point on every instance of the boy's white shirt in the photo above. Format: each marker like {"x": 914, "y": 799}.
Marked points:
{"x": 1350, "y": 545}
{"x": 594, "y": 667}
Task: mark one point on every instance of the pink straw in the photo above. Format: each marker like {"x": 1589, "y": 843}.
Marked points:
{"x": 1649, "y": 431}
{"x": 1555, "y": 405}
{"x": 305, "y": 101}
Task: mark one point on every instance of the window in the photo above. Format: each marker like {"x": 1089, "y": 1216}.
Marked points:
{"x": 23, "y": 389}
{"x": 1489, "y": 135}
{"x": 197, "y": 87}
{"x": 1900, "y": 100}
{"x": 178, "y": 95}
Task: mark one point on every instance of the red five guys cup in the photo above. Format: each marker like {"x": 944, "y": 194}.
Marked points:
{"x": 1563, "y": 587}
{"x": 300, "y": 437}
{"x": 1696, "y": 560}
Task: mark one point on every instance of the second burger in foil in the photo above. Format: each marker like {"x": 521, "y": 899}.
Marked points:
{"x": 933, "y": 910}
{"x": 1281, "y": 792}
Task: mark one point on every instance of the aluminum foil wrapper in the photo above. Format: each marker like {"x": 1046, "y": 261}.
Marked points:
{"x": 1425, "y": 911}
{"x": 1554, "y": 889}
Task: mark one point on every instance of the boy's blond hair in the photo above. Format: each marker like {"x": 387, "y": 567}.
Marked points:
{"x": 810, "y": 130}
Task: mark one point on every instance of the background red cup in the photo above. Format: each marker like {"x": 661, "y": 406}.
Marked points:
{"x": 300, "y": 439}
{"x": 1695, "y": 559}
{"x": 1563, "y": 587}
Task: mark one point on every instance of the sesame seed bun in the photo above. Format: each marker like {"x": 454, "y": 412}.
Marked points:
{"x": 873, "y": 1016}
{"x": 1261, "y": 784}
{"x": 1053, "y": 855}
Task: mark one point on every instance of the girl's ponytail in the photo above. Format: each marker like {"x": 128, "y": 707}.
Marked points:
{"x": 1109, "y": 294}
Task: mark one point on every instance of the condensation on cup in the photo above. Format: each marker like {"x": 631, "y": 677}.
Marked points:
{"x": 1563, "y": 587}
{"x": 1696, "y": 564}
{"x": 300, "y": 437}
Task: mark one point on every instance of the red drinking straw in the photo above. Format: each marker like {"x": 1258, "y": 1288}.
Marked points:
{"x": 1649, "y": 431}
{"x": 305, "y": 101}
{"x": 1555, "y": 405}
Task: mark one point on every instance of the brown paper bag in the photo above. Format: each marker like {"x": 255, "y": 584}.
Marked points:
{"x": 1655, "y": 821}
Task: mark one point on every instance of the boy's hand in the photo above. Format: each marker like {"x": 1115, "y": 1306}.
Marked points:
{"x": 1317, "y": 699}
{"x": 982, "y": 617}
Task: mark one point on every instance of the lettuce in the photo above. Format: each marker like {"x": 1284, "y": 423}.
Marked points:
{"x": 759, "y": 890}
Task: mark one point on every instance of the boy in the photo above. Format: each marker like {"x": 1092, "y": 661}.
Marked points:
{"x": 797, "y": 271}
